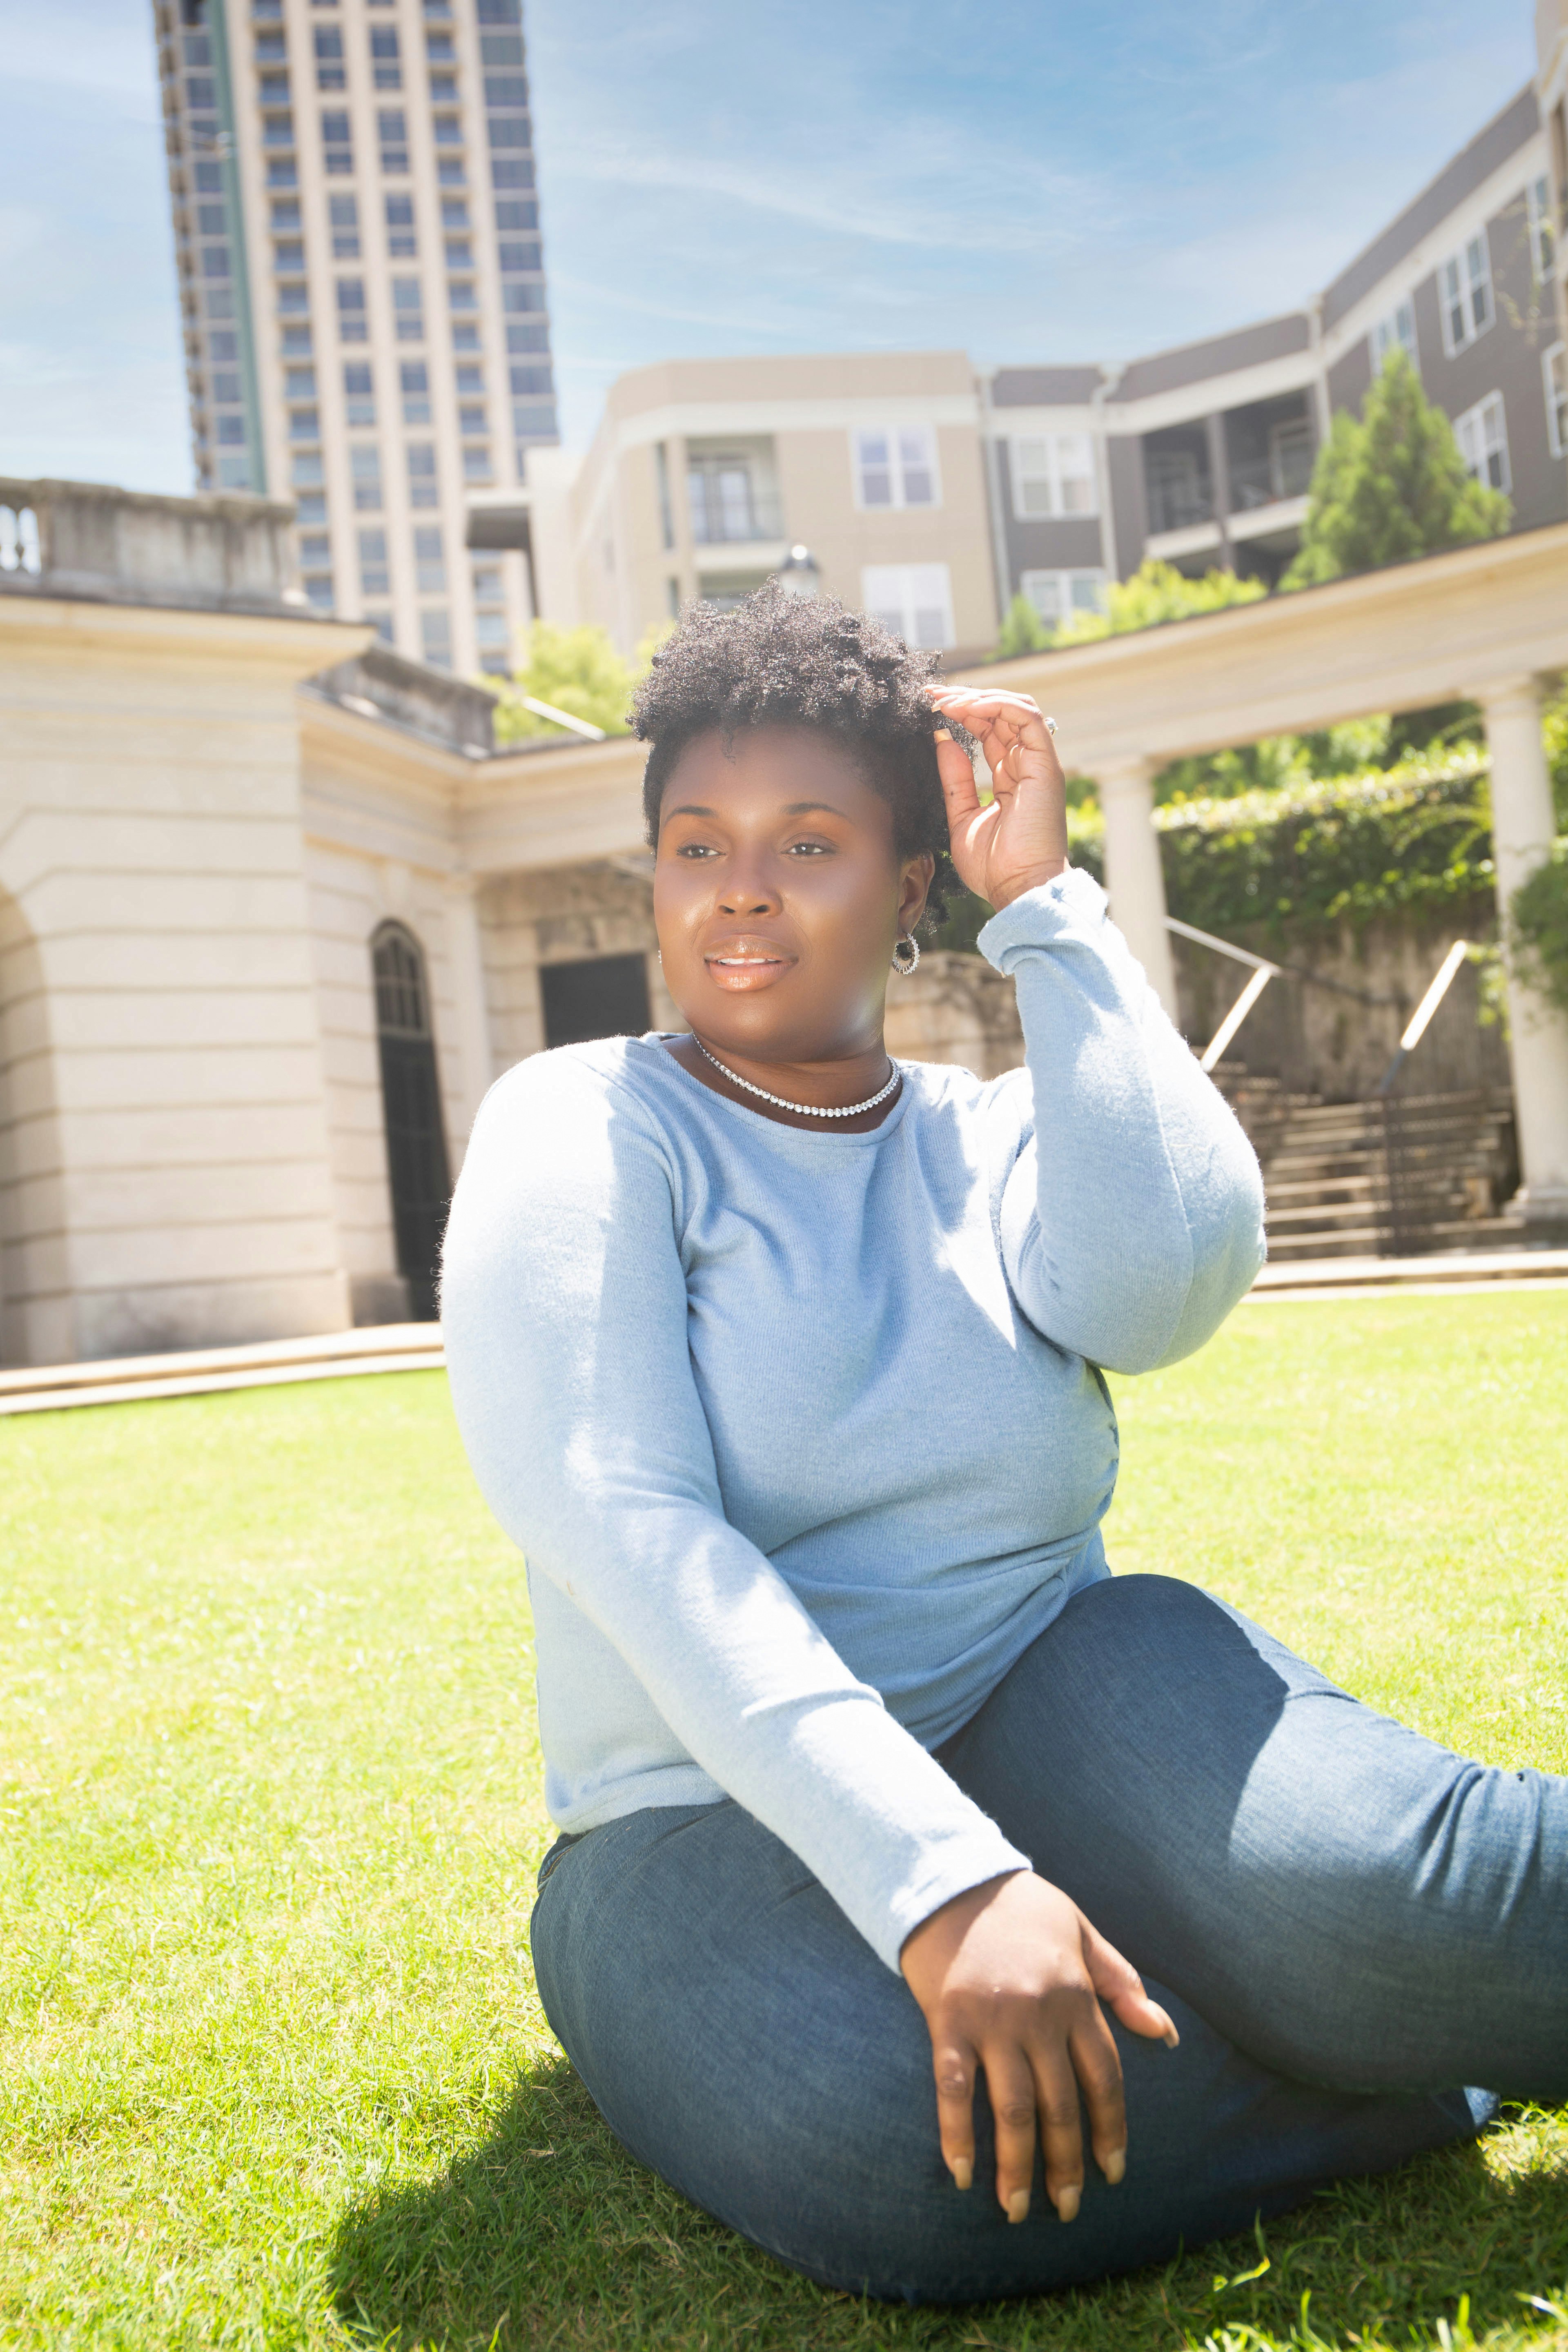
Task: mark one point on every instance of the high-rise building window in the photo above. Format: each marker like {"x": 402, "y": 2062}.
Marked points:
{"x": 1554, "y": 383}
{"x": 304, "y": 425}
{"x": 516, "y": 211}
{"x": 225, "y": 385}
{"x": 392, "y": 129}
{"x": 472, "y": 421}
{"x": 209, "y": 179}
{"x": 382, "y": 623}
{"x": 307, "y": 472}
{"x": 230, "y": 429}
{"x": 533, "y": 420}
{"x": 436, "y": 636}
{"x": 439, "y": 50}
{"x": 358, "y": 393}
{"x": 506, "y": 90}
{"x": 297, "y": 343}
{"x": 385, "y": 57}
{"x": 471, "y": 383}
{"x": 896, "y": 466}
{"x": 502, "y": 49}
{"x": 1482, "y": 436}
{"x": 223, "y": 347}
{"x": 401, "y": 241}
{"x": 542, "y": 380}
{"x": 337, "y": 149}
{"x": 422, "y": 490}
{"x": 408, "y": 303}
{"x": 288, "y": 254}
{"x": 449, "y": 130}
{"x": 1395, "y": 332}
{"x": 1053, "y": 474}
{"x": 364, "y": 466}
{"x": 299, "y": 382}
{"x": 350, "y": 311}
{"x": 430, "y": 564}
{"x": 214, "y": 261}
{"x": 329, "y": 72}
{"x": 274, "y": 89}
{"x": 278, "y": 131}
{"x": 914, "y": 600}
{"x": 271, "y": 48}
{"x": 282, "y": 172}
{"x": 343, "y": 212}
{"x": 476, "y": 466}
{"x": 443, "y": 88}
{"x": 1464, "y": 294}
{"x": 461, "y": 296}
{"x": 454, "y": 211}
{"x": 451, "y": 172}
{"x": 211, "y": 220}
{"x": 285, "y": 214}
{"x": 527, "y": 338}
{"x": 415, "y": 386}
{"x": 373, "y": 577}
{"x": 460, "y": 253}
{"x": 518, "y": 255}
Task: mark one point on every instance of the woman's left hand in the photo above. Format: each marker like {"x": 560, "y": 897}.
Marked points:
{"x": 1019, "y": 839}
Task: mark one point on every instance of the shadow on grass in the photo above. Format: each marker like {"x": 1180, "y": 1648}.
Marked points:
{"x": 549, "y": 2235}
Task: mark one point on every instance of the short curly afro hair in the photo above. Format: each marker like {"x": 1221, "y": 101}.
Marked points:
{"x": 781, "y": 660}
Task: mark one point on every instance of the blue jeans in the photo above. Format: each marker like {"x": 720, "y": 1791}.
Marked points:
{"x": 1346, "y": 1922}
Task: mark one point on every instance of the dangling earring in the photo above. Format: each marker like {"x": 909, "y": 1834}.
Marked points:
{"x": 906, "y": 955}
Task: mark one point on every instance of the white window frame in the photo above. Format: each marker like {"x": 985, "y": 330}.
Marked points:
{"x": 1554, "y": 384}
{"x": 911, "y": 451}
{"x": 1052, "y": 467}
{"x": 1461, "y": 276}
{"x": 1385, "y": 336}
{"x": 1542, "y": 230}
{"x": 1482, "y": 434}
{"x": 1058, "y": 595}
{"x": 904, "y": 595}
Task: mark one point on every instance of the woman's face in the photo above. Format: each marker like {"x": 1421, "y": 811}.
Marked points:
{"x": 778, "y": 896}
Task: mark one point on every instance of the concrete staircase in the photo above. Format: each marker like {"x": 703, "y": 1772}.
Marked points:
{"x": 1418, "y": 1174}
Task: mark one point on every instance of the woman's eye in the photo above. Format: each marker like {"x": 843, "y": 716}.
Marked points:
{"x": 696, "y": 849}
{"x": 810, "y": 849}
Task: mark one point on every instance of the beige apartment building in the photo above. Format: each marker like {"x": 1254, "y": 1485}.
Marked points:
{"x": 362, "y": 288}
{"x": 704, "y": 474}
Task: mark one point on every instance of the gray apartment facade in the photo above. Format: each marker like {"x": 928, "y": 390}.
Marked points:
{"x": 1202, "y": 455}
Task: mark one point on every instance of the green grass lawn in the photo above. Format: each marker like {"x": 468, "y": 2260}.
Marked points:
{"x": 273, "y": 2072}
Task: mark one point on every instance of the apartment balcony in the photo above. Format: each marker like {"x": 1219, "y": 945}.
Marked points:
{"x": 1178, "y": 504}
{"x": 740, "y": 518}
{"x": 1285, "y": 473}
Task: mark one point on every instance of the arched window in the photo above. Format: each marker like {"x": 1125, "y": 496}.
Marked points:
{"x": 416, "y": 1163}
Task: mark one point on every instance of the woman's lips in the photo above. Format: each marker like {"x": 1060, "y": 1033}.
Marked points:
{"x": 741, "y": 968}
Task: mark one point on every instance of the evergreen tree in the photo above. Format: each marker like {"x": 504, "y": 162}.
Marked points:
{"x": 1391, "y": 485}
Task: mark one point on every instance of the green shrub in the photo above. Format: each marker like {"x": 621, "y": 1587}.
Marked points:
{"x": 1397, "y": 842}
{"x": 1538, "y": 928}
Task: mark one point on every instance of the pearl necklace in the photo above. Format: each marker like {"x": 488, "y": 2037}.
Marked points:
{"x": 807, "y": 1111}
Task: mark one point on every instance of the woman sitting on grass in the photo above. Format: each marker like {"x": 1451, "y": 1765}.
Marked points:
{"x": 784, "y": 1364}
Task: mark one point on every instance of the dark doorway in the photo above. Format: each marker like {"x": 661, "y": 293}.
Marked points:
{"x": 605, "y": 997}
{"x": 417, "y": 1164}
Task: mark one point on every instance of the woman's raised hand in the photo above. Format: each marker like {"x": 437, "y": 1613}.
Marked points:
{"x": 1019, "y": 839}
{"x": 1010, "y": 1976}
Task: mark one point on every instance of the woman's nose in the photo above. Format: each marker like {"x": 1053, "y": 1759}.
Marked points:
{"x": 747, "y": 894}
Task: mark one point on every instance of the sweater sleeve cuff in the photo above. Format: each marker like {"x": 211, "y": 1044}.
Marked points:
{"x": 1072, "y": 901}
{"x": 951, "y": 1873}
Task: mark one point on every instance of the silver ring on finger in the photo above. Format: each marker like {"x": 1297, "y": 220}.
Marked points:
{"x": 1051, "y": 726}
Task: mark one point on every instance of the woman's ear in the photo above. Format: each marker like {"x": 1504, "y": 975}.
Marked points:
{"x": 917, "y": 881}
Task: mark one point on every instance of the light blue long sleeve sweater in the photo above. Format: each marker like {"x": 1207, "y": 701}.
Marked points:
{"x": 802, "y": 1432}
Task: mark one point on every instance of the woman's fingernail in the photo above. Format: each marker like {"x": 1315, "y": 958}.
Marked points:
{"x": 962, "y": 2172}
{"x": 940, "y": 735}
{"x": 1173, "y": 2039}
{"x": 1066, "y": 2205}
{"x": 1115, "y": 2166}
{"x": 1018, "y": 2205}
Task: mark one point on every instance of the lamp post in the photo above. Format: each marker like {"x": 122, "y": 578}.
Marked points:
{"x": 799, "y": 574}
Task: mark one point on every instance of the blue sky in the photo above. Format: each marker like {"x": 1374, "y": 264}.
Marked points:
{"x": 1028, "y": 181}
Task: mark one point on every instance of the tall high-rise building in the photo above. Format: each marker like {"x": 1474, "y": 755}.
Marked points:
{"x": 356, "y": 225}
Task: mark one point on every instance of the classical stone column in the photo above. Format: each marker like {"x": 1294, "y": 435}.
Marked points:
{"x": 1133, "y": 876}
{"x": 1522, "y": 833}
{"x": 469, "y": 993}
